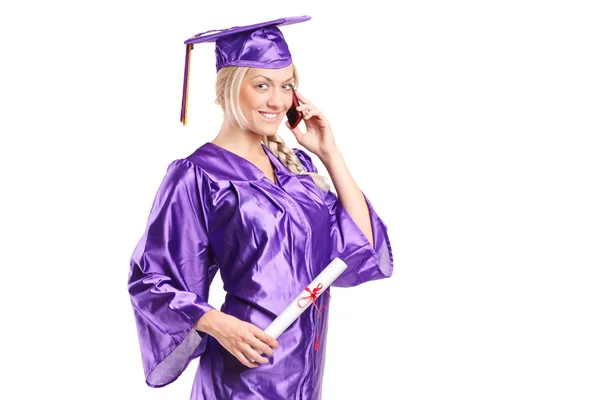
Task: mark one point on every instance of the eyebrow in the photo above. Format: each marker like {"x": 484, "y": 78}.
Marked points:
{"x": 258, "y": 76}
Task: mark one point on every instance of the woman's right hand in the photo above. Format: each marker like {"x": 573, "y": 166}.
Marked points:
{"x": 240, "y": 338}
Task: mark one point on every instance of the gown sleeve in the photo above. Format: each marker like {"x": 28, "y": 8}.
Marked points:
{"x": 170, "y": 274}
{"x": 365, "y": 262}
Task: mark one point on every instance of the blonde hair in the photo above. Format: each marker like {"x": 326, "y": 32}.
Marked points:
{"x": 228, "y": 84}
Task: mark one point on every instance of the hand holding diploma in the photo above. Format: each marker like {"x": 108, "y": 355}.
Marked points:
{"x": 306, "y": 298}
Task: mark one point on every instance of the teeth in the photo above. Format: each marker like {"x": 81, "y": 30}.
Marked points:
{"x": 269, "y": 116}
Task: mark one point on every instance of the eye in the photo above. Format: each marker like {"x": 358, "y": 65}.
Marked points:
{"x": 288, "y": 86}
{"x": 262, "y": 86}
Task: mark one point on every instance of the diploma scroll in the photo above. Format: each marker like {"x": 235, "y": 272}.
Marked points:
{"x": 294, "y": 309}
{"x": 305, "y": 299}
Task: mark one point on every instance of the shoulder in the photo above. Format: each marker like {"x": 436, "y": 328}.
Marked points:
{"x": 305, "y": 159}
{"x": 183, "y": 174}
{"x": 182, "y": 167}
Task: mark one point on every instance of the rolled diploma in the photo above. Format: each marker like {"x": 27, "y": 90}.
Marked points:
{"x": 293, "y": 310}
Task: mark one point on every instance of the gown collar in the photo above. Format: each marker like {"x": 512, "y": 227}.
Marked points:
{"x": 218, "y": 160}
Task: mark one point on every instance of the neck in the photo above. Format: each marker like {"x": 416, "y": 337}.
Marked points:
{"x": 246, "y": 143}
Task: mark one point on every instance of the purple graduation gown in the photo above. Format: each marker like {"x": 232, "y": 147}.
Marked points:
{"x": 215, "y": 210}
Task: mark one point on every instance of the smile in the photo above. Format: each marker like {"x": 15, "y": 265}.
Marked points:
{"x": 270, "y": 117}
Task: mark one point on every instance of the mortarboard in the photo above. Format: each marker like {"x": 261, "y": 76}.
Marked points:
{"x": 259, "y": 45}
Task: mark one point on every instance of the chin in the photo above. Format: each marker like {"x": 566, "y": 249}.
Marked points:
{"x": 262, "y": 131}
{"x": 265, "y": 130}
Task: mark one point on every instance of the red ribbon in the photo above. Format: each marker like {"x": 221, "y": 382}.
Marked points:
{"x": 312, "y": 296}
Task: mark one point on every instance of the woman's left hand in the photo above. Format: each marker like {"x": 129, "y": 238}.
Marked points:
{"x": 318, "y": 138}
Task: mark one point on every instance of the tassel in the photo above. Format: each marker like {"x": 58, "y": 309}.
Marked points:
{"x": 186, "y": 78}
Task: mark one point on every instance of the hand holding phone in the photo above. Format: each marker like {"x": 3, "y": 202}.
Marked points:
{"x": 294, "y": 116}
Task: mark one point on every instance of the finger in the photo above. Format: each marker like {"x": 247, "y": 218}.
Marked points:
{"x": 244, "y": 360}
{"x": 313, "y": 113}
{"x": 303, "y": 107}
{"x": 253, "y": 355}
{"x": 261, "y": 347}
{"x": 249, "y": 358}
{"x": 306, "y": 109}
{"x": 265, "y": 337}
{"x": 256, "y": 344}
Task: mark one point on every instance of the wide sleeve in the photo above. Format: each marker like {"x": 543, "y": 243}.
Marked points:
{"x": 349, "y": 243}
{"x": 170, "y": 274}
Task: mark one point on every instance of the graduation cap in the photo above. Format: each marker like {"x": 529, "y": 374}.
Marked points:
{"x": 259, "y": 45}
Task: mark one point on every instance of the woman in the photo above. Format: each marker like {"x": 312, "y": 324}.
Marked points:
{"x": 258, "y": 211}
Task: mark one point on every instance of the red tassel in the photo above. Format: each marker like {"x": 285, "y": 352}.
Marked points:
{"x": 313, "y": 297}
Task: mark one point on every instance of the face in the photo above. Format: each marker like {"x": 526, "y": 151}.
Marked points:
{"x": 265, "y": 97}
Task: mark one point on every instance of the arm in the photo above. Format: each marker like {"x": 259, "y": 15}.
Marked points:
{"x": 369, "y": 257}
{"x": 169, "y": 277}
{"x": 348, "y": 192}
{"x": 358, "y": 236}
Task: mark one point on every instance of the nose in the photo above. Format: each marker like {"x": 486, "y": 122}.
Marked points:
{"x": 276, "y": 100}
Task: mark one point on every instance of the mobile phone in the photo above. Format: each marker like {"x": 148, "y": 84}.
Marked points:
{"x": 294, "y": 116}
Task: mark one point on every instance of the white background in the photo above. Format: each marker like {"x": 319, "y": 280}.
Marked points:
{"x": 471, "y": 126}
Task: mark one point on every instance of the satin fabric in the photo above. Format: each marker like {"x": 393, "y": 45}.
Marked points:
{"x": 215, "y": 210}
{"x": 262, "y": 48}
{"x": 259, "y": 45}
